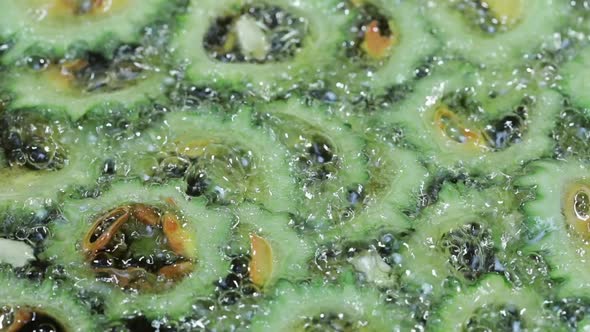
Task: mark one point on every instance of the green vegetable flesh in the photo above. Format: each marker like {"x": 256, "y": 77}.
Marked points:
{"x": 312, "y": 165}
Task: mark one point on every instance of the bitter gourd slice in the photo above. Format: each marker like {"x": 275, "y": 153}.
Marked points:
{"x": 59, "y": 24}
{"x": 325, "y": 308}
{"x": 556, "y": 220}
{"x": 173, "y": 248}
{"x": 87, "y": 81}
{"x": 326, "y": 155}
{"x": 45, "y": 158}
{"x": 388, "y": 41}
{"x": 390, "y": 194}
{"x": 480, "y": 122}
{"x": 493, "y": 305}
{"x": 495, "y": 32}
{"x": 268, "y": 47}
{"x": 467, "y": 234}
{"x": 220, "y": 157}
{"x": 32, "y": 306}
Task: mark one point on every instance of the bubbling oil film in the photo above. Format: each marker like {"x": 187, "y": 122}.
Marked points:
{"x": 333, "y": 165}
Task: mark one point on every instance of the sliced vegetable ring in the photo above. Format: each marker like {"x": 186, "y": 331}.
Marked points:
{"x": 149, "y": 248}
{"x": 467, "y": 234}
{"x": 558, "y": 220}
{"x": 58, "y": 24}
{"x": 89, "y": 81}
{"x": 29, "y": 306}
{"x": 392, "y": 190}
{"x": 316, "y": 307}
{"x": 221, "y": 158}
{"x": 480, "y": 123}
{"x": 44, "y": 156}
{"x": 390, "y": 40}
{"x": 326, "y": 156}
{"x": 268, "y": 47}
{"x": 496, "y": 31}
{"x": 492, "y": 305}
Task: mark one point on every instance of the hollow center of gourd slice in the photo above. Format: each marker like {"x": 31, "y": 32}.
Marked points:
{"x": 470, "y": 250}
{"x": 139, "y": 246}
{"x": 258, "y": 33}
{"x": 453, "y": 121}
{"x": 213, "y": 168}
{"x": 576, "y": 208}
{"x": 92, "y": 74}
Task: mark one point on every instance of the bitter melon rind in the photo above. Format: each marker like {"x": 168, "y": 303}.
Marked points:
{"x": 47, "y": 297}
{"x": 30, "y": 88}
{"x": 326, "y": 195}
{"x": 290, "y": 304}
{"x": 349, "y": 145}
{"x": 548, "y": 230}
{"x": 455, "y": 313}
{"x": 537, "y": 29}
{"x": 423, "y": 261}
{"x": 210, "y": 227}
{"x": 415, "y": 118}
{"x": 270, "y": 183}
{"x": 28, "y": 24}
{"x": 37, "y": 188}
{"x": 267, "y": 79}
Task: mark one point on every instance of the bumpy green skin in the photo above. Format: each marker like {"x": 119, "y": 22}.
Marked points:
{"x": 322, "y": 200}
{"x": 49, "y": 298}
{"x": 573, "y": 73}
{"x": 29, "y": 88}
{"x": 29, "y": 25}
{"x": 291, "y": 252}
{"x": 269, "y": 183}
{"x": 289, "y": 304}
{"x": 455, "y": 312}
{"x": 36, "y": 188}
{"x": 426, "y": 264}
{"x": 210, "y": 228}
{"x": 415, "y": 118}
{"x": 541, "y": 19}
{"x": 564, "y": 250}
{"x": 414, "y": 44}
{"x": 269, "y": 78}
